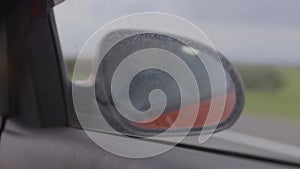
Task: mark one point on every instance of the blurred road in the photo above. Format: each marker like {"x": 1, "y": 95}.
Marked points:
{"x": 259, "y": 136}
{"x": 276, "y": 130}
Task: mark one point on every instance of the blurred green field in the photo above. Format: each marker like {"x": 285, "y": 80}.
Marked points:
{"x": 272, "y": 91}
{"x": 283, "y": 103}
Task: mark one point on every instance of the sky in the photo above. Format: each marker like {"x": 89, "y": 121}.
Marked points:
{"x": 256, "y": 31}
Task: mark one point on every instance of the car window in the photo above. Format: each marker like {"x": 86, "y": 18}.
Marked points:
{"x": 261, "y": 39}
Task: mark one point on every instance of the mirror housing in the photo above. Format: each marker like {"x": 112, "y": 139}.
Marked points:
{"x": 121, "y": 43}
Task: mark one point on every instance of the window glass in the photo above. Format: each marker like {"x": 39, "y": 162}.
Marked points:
{"x": 261, "y": 38}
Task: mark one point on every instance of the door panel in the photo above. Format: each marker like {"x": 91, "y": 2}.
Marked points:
{"x": 61, "y": 148}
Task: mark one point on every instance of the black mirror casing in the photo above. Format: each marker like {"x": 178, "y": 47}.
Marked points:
{"x": 121, "y": 46}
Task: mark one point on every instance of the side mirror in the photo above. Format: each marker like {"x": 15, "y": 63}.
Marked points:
{"x": 122, "y": 43}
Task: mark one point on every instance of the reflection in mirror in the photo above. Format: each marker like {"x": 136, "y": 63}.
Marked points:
{"x": 143, "y": 84}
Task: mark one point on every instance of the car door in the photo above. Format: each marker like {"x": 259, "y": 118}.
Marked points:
{"x": 37, "y": 112}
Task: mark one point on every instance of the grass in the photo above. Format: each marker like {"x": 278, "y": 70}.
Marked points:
{"x": 283, "y": 104}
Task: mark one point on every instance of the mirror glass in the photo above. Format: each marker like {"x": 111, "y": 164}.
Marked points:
{"x": 155, "y": 96}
